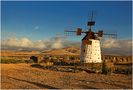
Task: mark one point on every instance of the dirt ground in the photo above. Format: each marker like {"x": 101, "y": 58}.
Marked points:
{"x": 23, "y": 76}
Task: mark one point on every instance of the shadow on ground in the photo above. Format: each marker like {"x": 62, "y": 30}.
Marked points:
{"x": 37, "y": 84}
{"x": 113, "y": 84}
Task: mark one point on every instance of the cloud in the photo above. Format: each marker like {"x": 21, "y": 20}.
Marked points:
{"x": 22, "y": 43}
{"x": 36, "y": 27}
{"x": 25, "y": 43}
{"x": 115, "y": 43}
{"x": 57, "y": 43}
{"x": 115, "y": 46}
{"x": 111, "y": 43}
{"x": 108, "y": 46}
{"x": 39, "y": 44}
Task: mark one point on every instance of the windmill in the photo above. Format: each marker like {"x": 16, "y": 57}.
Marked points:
{"x": 90, "y": 46}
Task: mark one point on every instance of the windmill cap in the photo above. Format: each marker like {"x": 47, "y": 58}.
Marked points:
{"x": 91, "y": 23}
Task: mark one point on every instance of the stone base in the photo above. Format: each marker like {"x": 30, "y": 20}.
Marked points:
{"x": 97, "y": 67}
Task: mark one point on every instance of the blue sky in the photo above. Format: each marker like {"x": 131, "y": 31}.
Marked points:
{"x": 40, "y": 20}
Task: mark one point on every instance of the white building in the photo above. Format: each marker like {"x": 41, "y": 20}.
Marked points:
{"x": 90, "y": 49}
{"x": 91, "y": 53}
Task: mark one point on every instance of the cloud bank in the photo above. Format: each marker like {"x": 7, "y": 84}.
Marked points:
{"x": 109, "y": 46}
{"x": 115, "y": 46}
{"x": 25, "y": 43}
{"x": 22, "y": 43}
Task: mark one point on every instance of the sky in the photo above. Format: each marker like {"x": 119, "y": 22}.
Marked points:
{"x": 44, "y": 20}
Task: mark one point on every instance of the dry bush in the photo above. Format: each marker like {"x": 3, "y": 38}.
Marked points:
{"x": 107, "y": 67}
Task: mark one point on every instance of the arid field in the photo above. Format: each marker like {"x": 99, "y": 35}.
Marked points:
{"x": 23, "y": 76}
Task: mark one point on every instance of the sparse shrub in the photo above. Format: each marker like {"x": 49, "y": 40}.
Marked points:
{"x": 72, "y": 51}
{"x": 128, "y": 71}
{"x": 37, "y": 65}
{"x": 29, "y": 61}
{"x": 72, "y": 58}
{"x": 106, "y": 69}
{"x": 34, "y": 58}
{"x": 46, "y": 58}
{"x": 44, "y": 66}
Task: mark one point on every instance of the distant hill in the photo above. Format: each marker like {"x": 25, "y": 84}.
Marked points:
{"x": 17, "y": 53}
{"x": 64, "y": 51}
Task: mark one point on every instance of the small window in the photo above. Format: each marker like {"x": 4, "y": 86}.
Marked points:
{"x": 84, "y": 50}
{"x": 90, "y": 42}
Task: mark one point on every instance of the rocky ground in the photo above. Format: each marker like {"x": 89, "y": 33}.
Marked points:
{"x": 23, "y": 76}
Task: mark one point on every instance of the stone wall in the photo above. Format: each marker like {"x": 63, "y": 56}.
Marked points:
{"x": 117, "y": 59}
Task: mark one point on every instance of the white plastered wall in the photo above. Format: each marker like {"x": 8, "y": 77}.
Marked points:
{"x": 91, "y": 53}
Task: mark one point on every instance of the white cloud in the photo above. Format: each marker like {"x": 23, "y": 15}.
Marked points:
{"x": 36, "y": 27}
{"x": 115, "y": 46}
{"x": 10, "y": 42}
{"x": 111, "y": 43}
{"x": 53, "y": 43}
{"x": 115, "y": 43}
{"x": 109, "y": 46}
{"x": 39, "y": 44}
{"x": 57, "y": 44}
{"x": 23, "y": 43}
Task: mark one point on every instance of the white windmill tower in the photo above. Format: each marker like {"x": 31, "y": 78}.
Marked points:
{"x": 90, "y": 47}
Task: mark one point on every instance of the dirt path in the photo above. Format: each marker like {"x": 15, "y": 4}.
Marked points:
{"x": 23, "y": 76}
